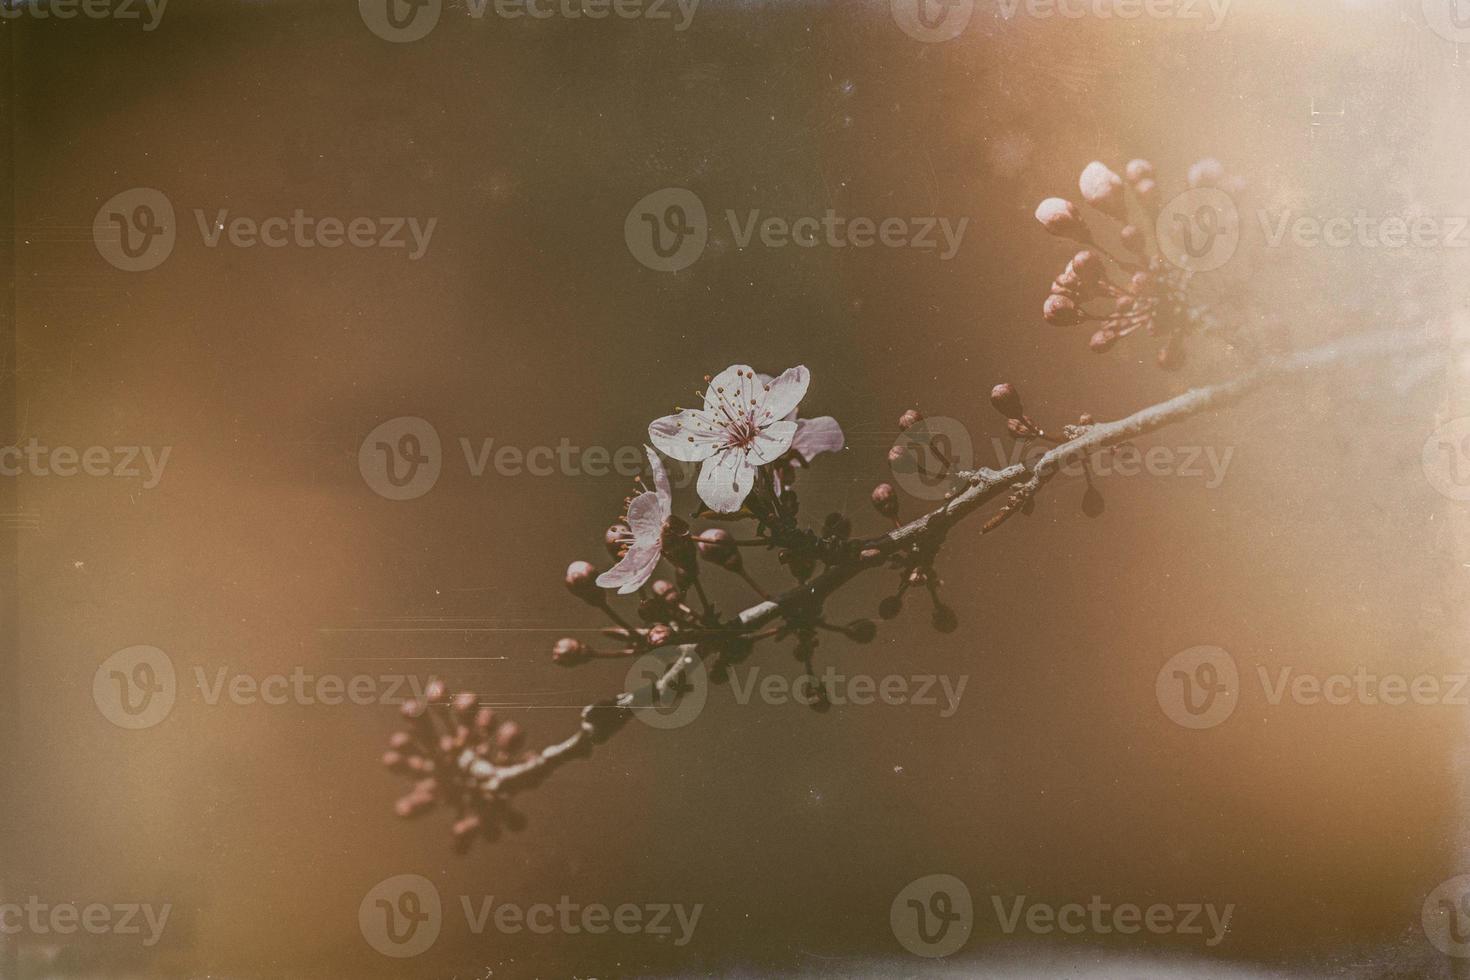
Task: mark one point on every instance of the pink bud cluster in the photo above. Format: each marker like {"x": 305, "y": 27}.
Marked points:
{"x": 1150, "y": 293}
{"x": 444, "y": 735}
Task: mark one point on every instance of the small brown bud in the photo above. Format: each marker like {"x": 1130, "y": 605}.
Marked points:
{"x": 581, "y": 580}
{"x": 1088, "y": 265}
{"x": 1103, "y": 341}
{"x": 667, "y": 591}
{"x": 885, "y": 500}
{"x": 718, "y": 547}
{"x": 510, "y": 737}
{"x": 1103, "y": 189}
{"x": 1206, "y": 173}
{"x": 1007, "y": 401}
{"x": 1060, "y": 311}
{"x": 568, "y": 651}
{"x": 1134, "y": 240}
{"x": 1062, "y": 218}
{"x": 1138, "y": 170}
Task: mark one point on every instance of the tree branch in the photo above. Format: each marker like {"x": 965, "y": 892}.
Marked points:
{"x": 802, "y": 605}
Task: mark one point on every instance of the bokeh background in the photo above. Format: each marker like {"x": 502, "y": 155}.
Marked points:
{"x": 529, "y": 321}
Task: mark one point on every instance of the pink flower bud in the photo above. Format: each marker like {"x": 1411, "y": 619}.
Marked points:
{"x": 660, "y": 634}
{"x": 568, "y": 651}
{"x": 896, "y": 453}
{"x": 909, "y": 419}
{"x": 1148, "y": 194}
{"x": 436, "y": 693}
{"x": 1206, "y": 173}
{"x": 582, "y": 581}
{"x": 466, "y": 827}
{"x": 666, "y": 591}
{"x": 1061, "y": 311}
{"x": 1138, "y": 170}
{"x": 510, "y": 737}
{"x": 1103, "y": 341}
{"x": 1007, "y": 401}
{"x": 885, "y": 500}
{"x": 1103, "y": 189}
{"x": 1060, "y": 217}
{"x": 464, "y": 702}
{"x": 614, "y": 539}
{"x": 1134, "y": 240}
{"x": 1088, "y": 265}
{"x": 716, "y": 546}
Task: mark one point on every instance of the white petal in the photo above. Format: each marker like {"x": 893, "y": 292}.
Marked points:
{"x": 629, "y": 574}
{"x": 785, "y": 393}
{"x": 660, "y": 482}
{"x": 689, "y": 436}
{"x": 817, "y": 436}
{"x": 772, "y": 441}
{"x": 646, "y": 520}
{"x": 726, "y": 480}
{"x": 730, "y": 392}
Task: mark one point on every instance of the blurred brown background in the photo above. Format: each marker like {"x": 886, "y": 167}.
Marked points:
{"x": 528, "y": 321}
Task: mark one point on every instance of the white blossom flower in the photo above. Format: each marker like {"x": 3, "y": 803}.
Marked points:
{"x": 641, "y": 541}
{"x": 813, "y": 436}
{"x": 744, "y": 424}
